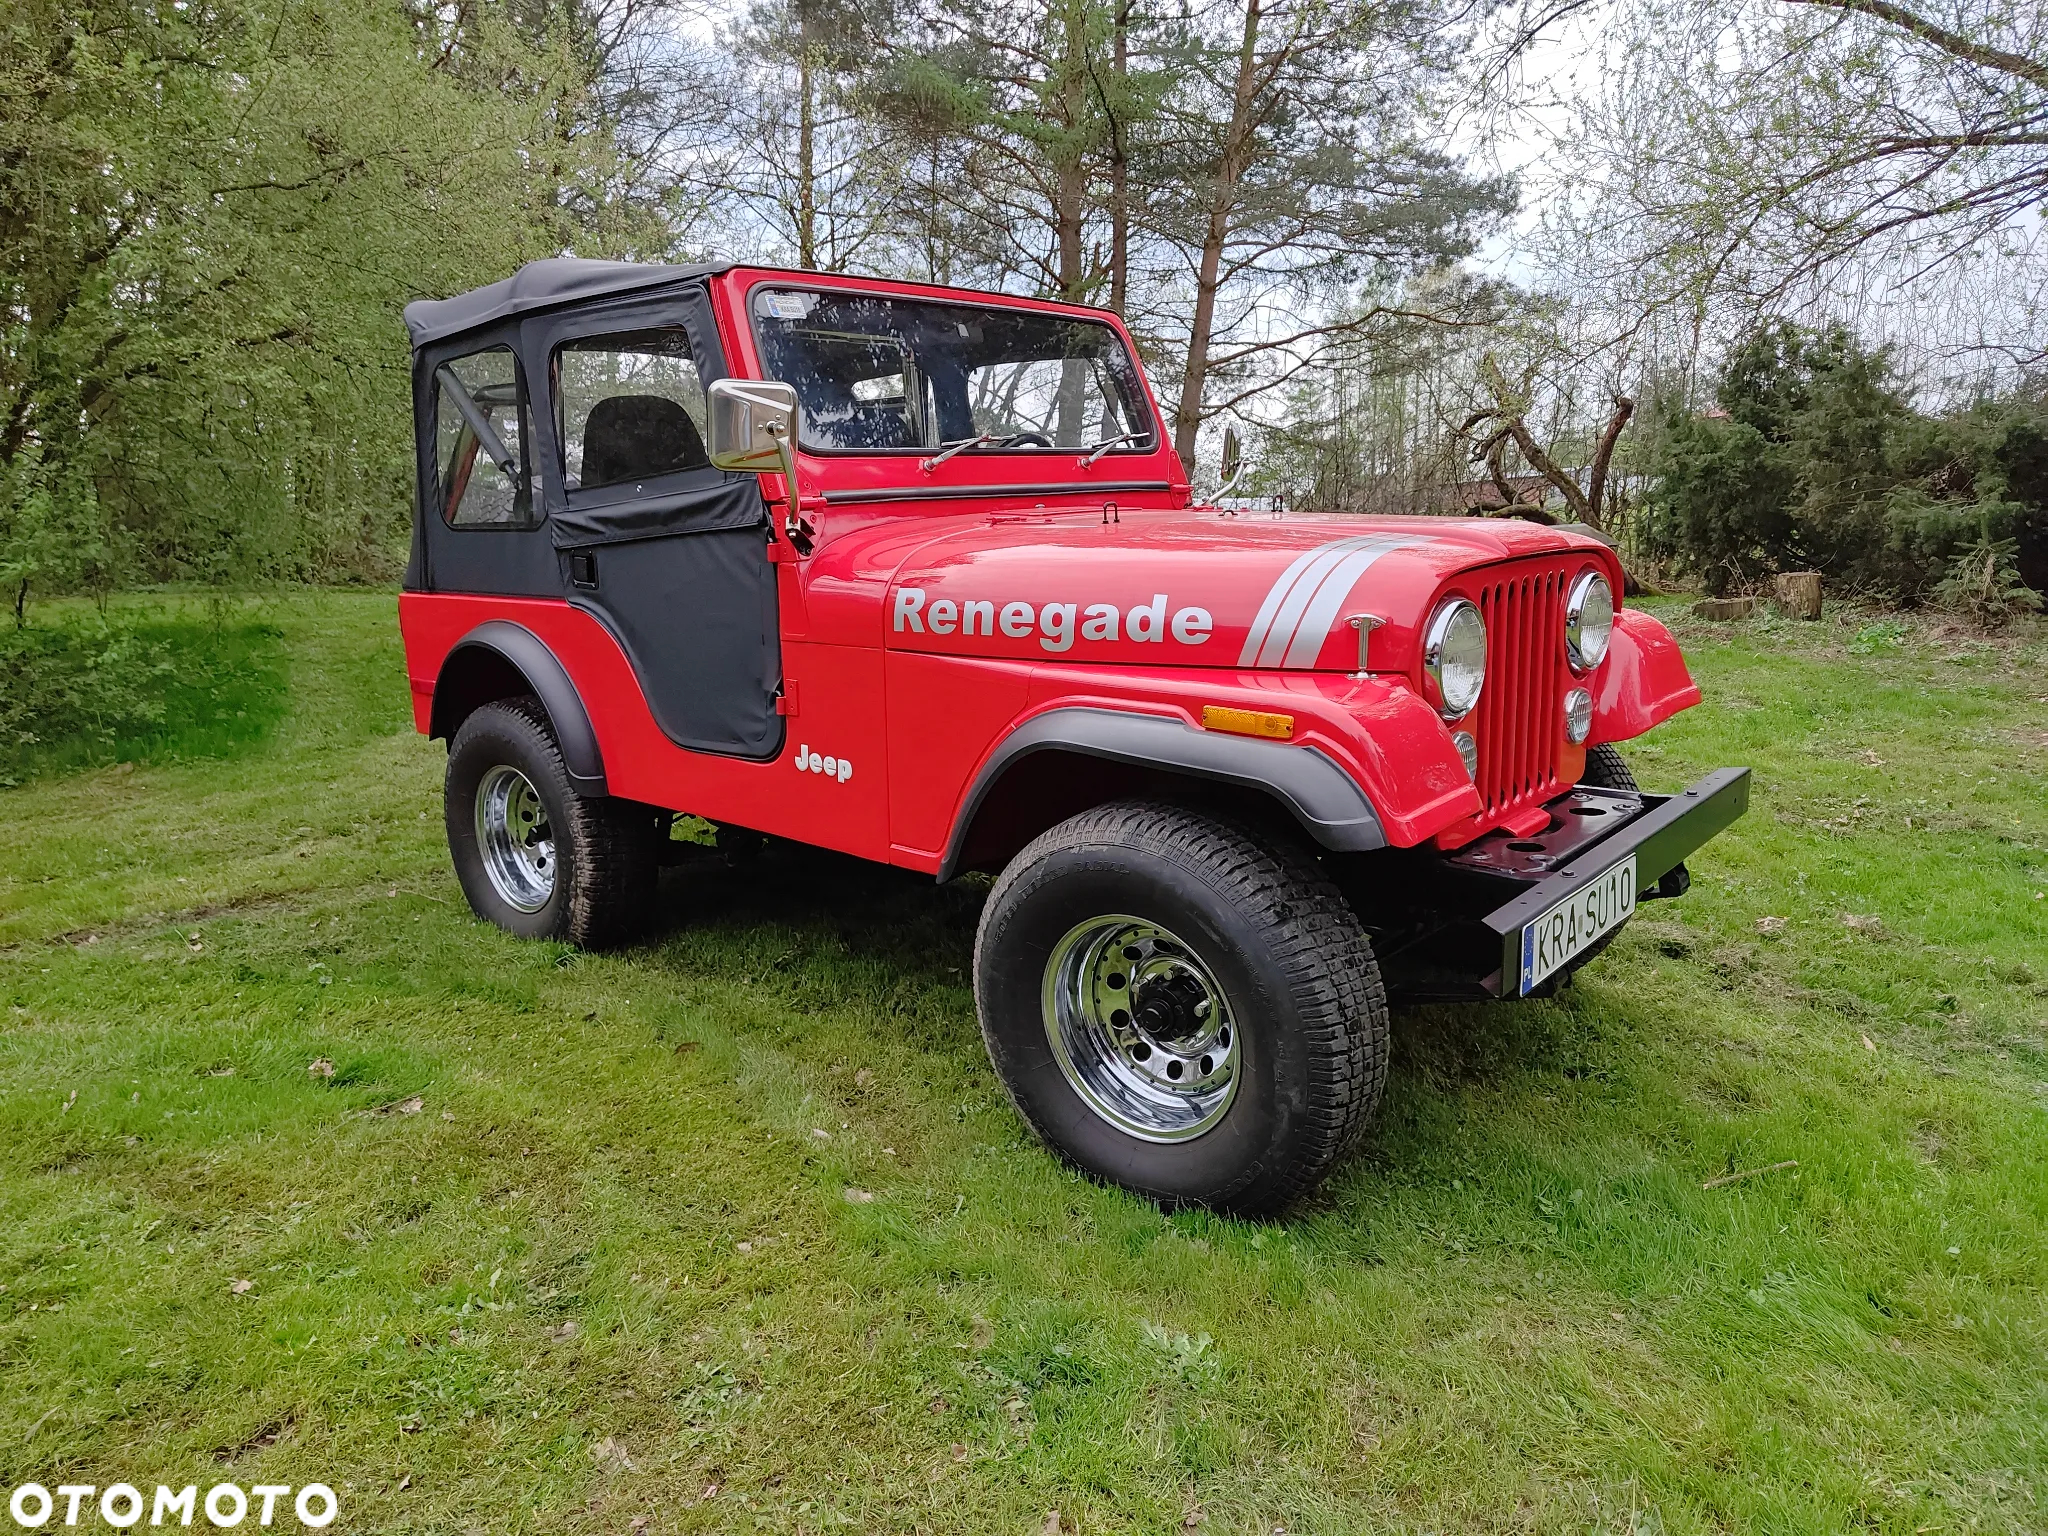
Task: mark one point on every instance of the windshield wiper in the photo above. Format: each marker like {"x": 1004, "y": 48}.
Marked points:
{"x": 1097, "y": 450}
{"x": 949, "y": 449}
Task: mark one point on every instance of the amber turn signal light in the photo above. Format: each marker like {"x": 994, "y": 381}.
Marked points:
{"x": 1247, "y": 722}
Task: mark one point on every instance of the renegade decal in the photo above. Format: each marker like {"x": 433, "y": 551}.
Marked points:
{"x": 1054, "y": 621}
{"x": 1295, "y": 618}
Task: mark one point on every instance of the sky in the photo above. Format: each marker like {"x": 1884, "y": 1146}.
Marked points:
{"x": 1996, "y": 298}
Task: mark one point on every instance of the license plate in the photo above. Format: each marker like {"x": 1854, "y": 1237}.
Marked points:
{"x": 1571, "y": 927}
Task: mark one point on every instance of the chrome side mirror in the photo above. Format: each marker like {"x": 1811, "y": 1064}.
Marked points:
{"x": 753, "y": 430}
{"x": 753, "y": 424}
{"x": 1233, "y": 460}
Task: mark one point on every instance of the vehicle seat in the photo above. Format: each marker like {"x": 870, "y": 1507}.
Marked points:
{"x": 636, "y": 437}
{"x": 885, "y": 425}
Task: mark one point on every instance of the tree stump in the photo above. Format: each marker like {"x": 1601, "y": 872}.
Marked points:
{"x": 1724, "y": 608}
{"x": 1797, "y": 594}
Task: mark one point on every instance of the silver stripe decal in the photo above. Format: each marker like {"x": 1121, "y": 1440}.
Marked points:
{"x": 1321, "y": 613}
{"x": 1270, "y": 611}
{"x": 1256, "y": 635}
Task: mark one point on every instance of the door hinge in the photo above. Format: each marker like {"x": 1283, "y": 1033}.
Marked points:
{"x": 785, "y": 701}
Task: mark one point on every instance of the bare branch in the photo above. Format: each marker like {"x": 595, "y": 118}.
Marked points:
{"x": 1952, "y": 43}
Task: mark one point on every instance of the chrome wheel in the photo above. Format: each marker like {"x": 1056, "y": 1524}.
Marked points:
{"x": 1141, "y": 1028}
{"x": 515, "y": 838}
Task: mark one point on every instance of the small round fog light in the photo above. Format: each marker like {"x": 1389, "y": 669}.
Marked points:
{"x": 1578, "y": 716}
{"x": 1468, "y": 749}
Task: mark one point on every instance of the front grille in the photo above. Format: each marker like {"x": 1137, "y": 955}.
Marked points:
{"x": 1521, "y": 707}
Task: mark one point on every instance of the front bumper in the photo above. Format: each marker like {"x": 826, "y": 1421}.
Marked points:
{"x": 1461, "y": 936}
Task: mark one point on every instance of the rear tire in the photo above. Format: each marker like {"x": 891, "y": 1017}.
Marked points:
{"x": 533, "y": 855}
{"x": 1182, "y": 1006}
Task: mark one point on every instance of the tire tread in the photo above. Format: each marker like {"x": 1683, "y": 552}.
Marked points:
{"x": 613, "y": 865}
{"x": 1606, "y": 768}
{"x": 1314, "y": 938}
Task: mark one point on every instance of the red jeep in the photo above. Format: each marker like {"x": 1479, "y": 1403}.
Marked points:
{"x": 912, "y": 573}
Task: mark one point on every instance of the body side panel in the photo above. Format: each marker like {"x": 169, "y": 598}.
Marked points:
{"x": 1385, "y": 739}
{"x": 838, "y": 692}
{"x": 945, "y": 718}
{"x": 530, "y": 657}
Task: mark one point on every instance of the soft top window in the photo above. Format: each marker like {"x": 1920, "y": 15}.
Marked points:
{"x": 877, "y": 374}
{"x": 628, "y": 407}
{"x": 482, "y": 436}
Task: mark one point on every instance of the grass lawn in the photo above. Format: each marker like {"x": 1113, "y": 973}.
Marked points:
{"x": 544, "y": 1241}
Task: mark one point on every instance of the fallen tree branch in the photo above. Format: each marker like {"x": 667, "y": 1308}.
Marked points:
{"x": 1750, "y": 1173}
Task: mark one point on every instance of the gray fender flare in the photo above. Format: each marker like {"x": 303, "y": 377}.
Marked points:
{"x": 1325, "y": 799}
{"x": 529, "y": 655}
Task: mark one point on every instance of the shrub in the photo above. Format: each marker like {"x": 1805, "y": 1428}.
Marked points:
{"x": 98, "y": 690}
{"x": 55, "y": 684}
{"x": 1816, "y": 460}
{"x": 1983, "y": 583}
{"x": 1882, "y": 635}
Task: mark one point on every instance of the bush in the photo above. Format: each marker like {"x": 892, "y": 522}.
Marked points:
{"x": 98, "y": 691}
{"x": 55, "y": 685}
{"x": 1874, "y": 638}
{"x": 1816, "y": 460}
{"x": 1983, "y": 583}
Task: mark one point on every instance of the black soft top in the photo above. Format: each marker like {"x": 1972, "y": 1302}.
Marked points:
{"x": 540, "y": 285}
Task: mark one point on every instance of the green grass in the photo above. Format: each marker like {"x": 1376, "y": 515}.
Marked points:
{"x": 144, "y": 684}
{"x": 607, "y": 1266}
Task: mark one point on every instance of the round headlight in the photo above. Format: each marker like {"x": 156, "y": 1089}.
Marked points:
{"x": 1588, "y": 621}
{"x": 1454, "y": 656}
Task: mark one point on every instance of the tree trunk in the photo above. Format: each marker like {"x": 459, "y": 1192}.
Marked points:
{"x": 1187, "y": 420}
{"x": 806, "y": 153}
{"x": 1797, "y": 594}
{"x": 1071, "y": 191}
{"x": 1070, "y": 211}
{"x": 1603, "y": 455}
{"x": 1120, "y": 166}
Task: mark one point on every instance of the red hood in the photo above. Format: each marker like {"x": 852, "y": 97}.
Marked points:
{"x": 1195, "y": 588}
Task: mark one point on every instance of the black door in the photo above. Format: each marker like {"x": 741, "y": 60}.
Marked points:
{"x": 669, "y": 553}
{"x": 695, "y": 613}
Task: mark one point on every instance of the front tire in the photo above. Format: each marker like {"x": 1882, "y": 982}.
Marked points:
{"x": 533, "y": 855}
{"x": 1181, "y": 1006}
{"x": 1606, "y": 768}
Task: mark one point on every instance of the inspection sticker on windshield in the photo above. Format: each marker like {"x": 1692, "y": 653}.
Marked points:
{"x": 1572, "y": 926}
{"x": 785, "y": 305}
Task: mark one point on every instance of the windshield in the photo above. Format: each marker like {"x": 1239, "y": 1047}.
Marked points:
{"x": 875, "y": 374}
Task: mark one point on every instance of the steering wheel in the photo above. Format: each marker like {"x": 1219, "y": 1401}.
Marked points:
{"x": 1027, "y": 440}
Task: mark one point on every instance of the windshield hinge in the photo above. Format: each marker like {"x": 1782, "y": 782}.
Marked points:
{"x": 1364, "y": 624}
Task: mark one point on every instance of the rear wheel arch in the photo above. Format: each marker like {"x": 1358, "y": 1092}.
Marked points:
{"x": 1065, "y": 761}
{"x": 502, "y": 660}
